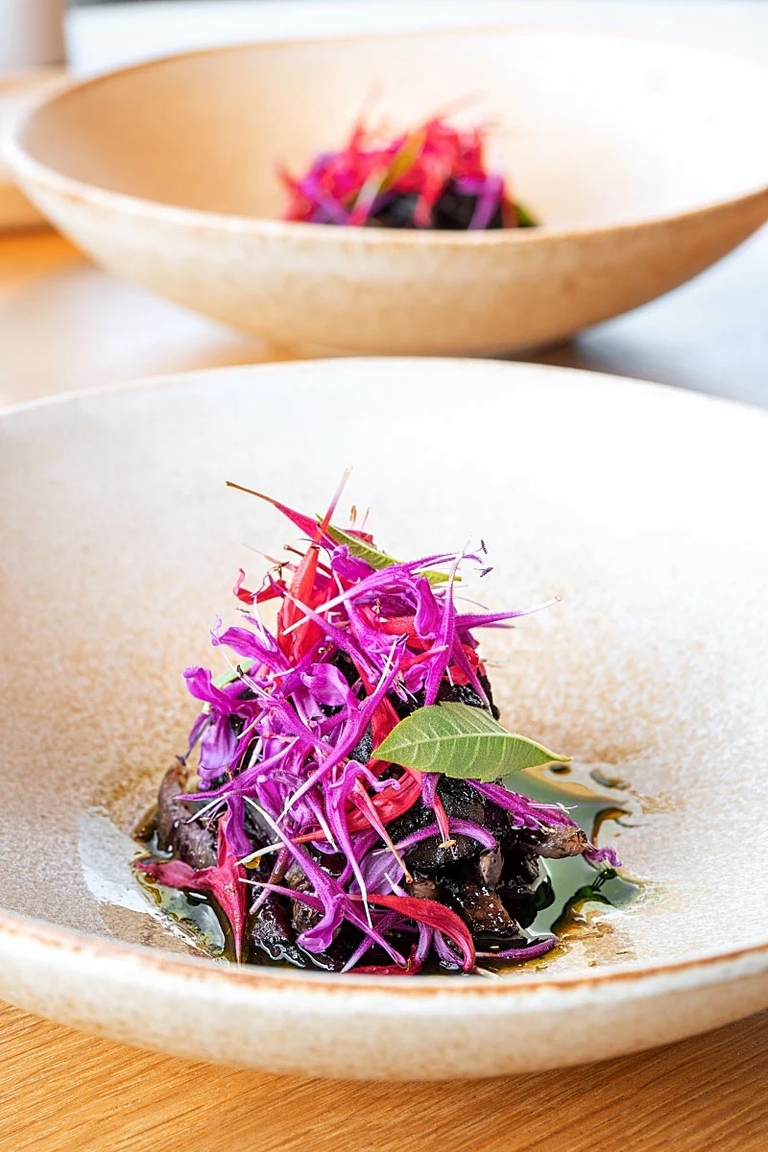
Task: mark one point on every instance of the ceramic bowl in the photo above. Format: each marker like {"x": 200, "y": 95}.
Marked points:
{"x": 644, "y": 161}
{"x": 640, "y": 505}
{"x": 18, "y": 89}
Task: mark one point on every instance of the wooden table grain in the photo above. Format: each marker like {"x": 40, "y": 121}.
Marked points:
{"x": 61, "y": 1091}
{"x": 64, "y": 326}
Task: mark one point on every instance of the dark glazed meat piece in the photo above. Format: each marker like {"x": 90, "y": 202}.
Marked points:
{"x": 424, "y": 888}
{"x": 256, "y": 827}
{"x": 486, "y": 917}
{"x": 524, "y": 887}
{"x": 489, "y": 867}
{"x": 556, "y": 841}
{"x": 450, "y": 693}
{"x": 193, "y": 842}
{"x": 459, "y": 694}
{"x": 271, "y": 933}
{"x": 453, "y": 211}
{"x": 363, "y": 750}
{"x": 521, "y": 864}
{"x": 486, "y": 685}
{"x": 268, "y": 931}
{"x": 342, "y": 947}
{"x": 302, "y": 916}
{"x": 463, "y": 694}
{"x": 396, "y": 213}
{"x": 461, "y": 802}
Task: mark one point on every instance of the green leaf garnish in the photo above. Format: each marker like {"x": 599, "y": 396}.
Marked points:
{"x": 231, "y": 674}
{"x": 382, "y": 178}
{"x": 359, "y": 548}
{"x": 405, "y": 158}
{"x": 525, "y": 219}
{"x": 376, "y": 559}
{"x": 462, "y": 742}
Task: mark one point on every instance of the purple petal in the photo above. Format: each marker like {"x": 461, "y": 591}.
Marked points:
{"x": 528, "y": 952}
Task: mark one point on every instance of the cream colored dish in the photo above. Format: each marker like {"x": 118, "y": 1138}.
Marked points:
{"x": 642, "y": 506}
{"x": 16, "y": 90}
{"x": 644, "y": 161}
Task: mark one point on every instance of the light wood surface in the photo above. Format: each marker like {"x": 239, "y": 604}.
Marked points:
{"x": 64, "y": 325}
{"x": 60, "y": 1091}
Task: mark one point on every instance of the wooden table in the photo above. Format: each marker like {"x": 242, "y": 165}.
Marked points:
{"x": 65, "y": 325}
{"x": 63, "y": 1092}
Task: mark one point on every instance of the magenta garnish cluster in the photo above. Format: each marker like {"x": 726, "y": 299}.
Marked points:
{"x": 315, "y": 849}
{"x": 432, "y": 177}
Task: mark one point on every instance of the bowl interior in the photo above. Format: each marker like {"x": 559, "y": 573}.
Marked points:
{"x": 638, "y": 504}
{"x": 590, "y": 128}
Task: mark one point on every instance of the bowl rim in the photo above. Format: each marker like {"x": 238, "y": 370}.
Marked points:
{"x": 18, "y": 931}
{"x": 36, "y": 172}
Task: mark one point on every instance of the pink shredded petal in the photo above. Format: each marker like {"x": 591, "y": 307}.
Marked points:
{"x": 435, "y": 916}
{"x": 531, "y": 814}
{"x": 597, "y": 856}
{"x": 381, "y": 868}
{"x": 282, "y": 742}
{"x": 526, "y": 813}
{"x": 528, "y": 952}
{"x": 491, "y": 196}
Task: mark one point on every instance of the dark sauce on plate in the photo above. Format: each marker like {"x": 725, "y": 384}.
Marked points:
{"x": 566, "y": 891}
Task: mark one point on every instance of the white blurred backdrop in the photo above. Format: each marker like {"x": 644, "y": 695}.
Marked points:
{"x": 101, "y": 34}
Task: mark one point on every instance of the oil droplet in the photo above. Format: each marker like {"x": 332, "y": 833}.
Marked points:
{"x": 604, "y": 781}
{"x": 194, "y": 914}
{"x": 575, "y": 884}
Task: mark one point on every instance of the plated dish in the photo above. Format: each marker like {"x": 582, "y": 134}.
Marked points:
{"x": 433, "y": 177}
{"x": 637, "y": 157}
{"x": 353, "y": 804}
{"x": 648, "y": 674}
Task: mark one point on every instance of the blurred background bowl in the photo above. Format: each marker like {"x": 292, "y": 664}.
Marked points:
{"x": 645, "y": 161}
{"x": 120, "y": 545}
{"x": 16, "y": 90}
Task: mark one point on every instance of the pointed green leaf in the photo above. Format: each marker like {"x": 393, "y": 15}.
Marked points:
{"x": 404, "y": 159}
{"x": 360, "y": 548}
{"x": 462, "y": 742}
{"x": 525, "y": 219}
{"x": 231, "y": 674}
{"x": 372, "y": 556}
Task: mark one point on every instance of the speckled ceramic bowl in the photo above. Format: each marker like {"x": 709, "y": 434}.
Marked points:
{"x": 642, "y": 506}
{"x": 644, "y": 161}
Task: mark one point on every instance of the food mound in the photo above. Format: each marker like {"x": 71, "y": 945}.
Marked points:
{"x": 347, "y": 811}
{"x": 433, "y": 177}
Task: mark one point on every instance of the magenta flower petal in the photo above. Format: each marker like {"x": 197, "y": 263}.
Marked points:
{"x": 282, "y": 743}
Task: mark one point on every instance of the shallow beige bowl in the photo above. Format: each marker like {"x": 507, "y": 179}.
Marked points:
{"x": 16, "y": 90}
{"x": 641, "y": 505}
{"x": 646, "y": 161}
